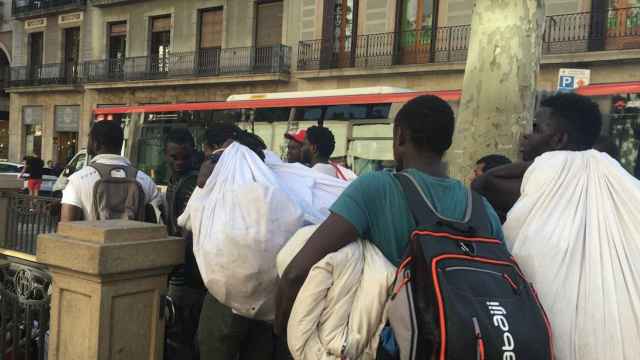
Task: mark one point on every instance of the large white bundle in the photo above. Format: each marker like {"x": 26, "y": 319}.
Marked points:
{"x": 575, "y": 232}
{"x": 340, "y": 310}
{"x": 240, "y": 220}
{"x": 314, "y": 191}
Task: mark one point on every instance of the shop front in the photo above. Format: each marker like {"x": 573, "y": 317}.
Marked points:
{"x": 67, "y": 125}
{"x": 4, "y": 139}
{"x": 32, "y": 132}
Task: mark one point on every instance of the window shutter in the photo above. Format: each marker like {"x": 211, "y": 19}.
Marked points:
{"x": 118, "y": 29}
{"x": 161, "y": 24}
{"x": 269, "y": 29}
{"x": 211, "y": 29}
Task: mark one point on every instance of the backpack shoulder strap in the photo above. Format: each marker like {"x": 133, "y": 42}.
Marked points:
{"x": 479, "y": 217}
{"x": 104, "y": 170}
{"x": 131, "y": 172}
{"x": 427, "y": 215}
{"x": 423, "y": 212}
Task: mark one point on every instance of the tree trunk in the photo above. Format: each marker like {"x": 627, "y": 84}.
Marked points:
{"x": 499, "y": 88}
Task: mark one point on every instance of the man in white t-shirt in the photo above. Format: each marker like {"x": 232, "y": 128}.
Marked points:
{"x": 105, "y": 142}
{"x": 317, "y": 148}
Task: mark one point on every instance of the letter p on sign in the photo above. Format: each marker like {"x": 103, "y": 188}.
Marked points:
{"x": 567, "y": 82}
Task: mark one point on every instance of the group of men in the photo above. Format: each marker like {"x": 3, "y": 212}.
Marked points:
{"x": 203, "y": 327}
{"x": 374, "y": 207}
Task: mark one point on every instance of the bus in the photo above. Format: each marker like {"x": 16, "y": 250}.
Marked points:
{"x": 361, "y": 120}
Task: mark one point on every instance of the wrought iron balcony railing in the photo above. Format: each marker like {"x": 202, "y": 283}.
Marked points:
{"x": 206, "y": 62}
{"x": 32, "y": 8}
{"x": 613, "y": 29}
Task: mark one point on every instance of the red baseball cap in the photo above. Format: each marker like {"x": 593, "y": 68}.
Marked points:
{"x": 297, "y": 136}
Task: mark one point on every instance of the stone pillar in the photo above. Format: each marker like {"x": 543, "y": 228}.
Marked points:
{"x": 108, "y": 279}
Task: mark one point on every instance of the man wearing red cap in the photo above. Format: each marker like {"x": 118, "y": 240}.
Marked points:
{"x": 294, "y": 147}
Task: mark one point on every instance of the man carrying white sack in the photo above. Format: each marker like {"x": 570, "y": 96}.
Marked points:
{"x": 574, "y": 230}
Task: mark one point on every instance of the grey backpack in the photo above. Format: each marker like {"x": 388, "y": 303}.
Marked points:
{"x": 118, "y": 198}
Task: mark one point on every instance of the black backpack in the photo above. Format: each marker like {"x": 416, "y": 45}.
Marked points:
{"x": 459, "y": 294}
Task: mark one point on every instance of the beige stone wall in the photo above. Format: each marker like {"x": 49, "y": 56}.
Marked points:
{"x": 48, "y": 100}
{"x": 6, "y": 41}
{"x": 239, "y": 19}
{"x": 420, "y": 78}
{"x": 302, "y": 20}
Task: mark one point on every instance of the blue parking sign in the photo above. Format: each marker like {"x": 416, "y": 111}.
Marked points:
{"x": 566, "y": 82}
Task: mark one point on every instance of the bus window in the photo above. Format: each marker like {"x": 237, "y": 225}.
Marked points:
{"x": 149, "y": 150}
{"x": 235, "y": 115}
{"x": 346, "y": 112}
{"x": 378, "y": 111}
{"x": 343, "y": 112}
{"x": 309, "y": 113}
{"x": 362, "y": 166}
{"x": 271, "y": 115}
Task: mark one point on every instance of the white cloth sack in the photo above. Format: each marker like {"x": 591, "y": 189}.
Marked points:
{"x": 575, "y": 232}
{"x": 340, "y": 310}
{"x": 240, "y": 220}
{"x": 313, "y": 191}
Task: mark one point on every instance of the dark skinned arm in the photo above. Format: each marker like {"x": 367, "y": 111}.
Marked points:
{"x": 501, "y": 186}
{"x": 334, "y": 234}
{"x": 71, "y": 213}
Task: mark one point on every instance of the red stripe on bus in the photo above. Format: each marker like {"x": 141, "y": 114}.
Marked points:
{"x": 452, "y": 95}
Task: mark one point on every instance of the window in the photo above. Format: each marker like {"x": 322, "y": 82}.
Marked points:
{"x": 160, "y": 43}
{"x": 341, "y": 17}
{"x": 76, "y": 164}
{"x": 36, "y": 48}
{"x": 4, "y": 139}
{"x": 71, "y": 52}
{"x": 343, "y": 112}
{"x": 32, "y": 121}
{"x": 415, "y": 23}
{"x": 7, "y": 168}
{"x": 210, "y": 40}
{"x": 117, "y": 44}
{"x": 66, "y": 124}
{"x": 271, "y": 115}
{"x": 268, "y": 23}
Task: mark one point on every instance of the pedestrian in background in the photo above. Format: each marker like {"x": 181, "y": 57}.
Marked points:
{"x": 489, "y": 162}
{"x": 318, "y": 146}
{"x": 105, "y": 144}
{"x": 294, "y": 145}
{"x": 186, "y": 289}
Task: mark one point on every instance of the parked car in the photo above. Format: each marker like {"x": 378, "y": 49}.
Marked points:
{"x": 7, "y": 167}
{"x": 79, "y": 160}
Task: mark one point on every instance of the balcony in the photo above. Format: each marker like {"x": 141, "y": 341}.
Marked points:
{"x": 203, "y": 63}
{"x": 616, "y": 29}
{"x": 386, "y": 49}
{"x": 23, "y": 9}
{"x": 48, "y": 74}
{"x": 174, "y": 66}
{"x": 105, "y": 3}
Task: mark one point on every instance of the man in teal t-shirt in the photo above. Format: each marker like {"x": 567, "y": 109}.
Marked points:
{"x": 377, "y": 207}
{"x": 374, "y": 207}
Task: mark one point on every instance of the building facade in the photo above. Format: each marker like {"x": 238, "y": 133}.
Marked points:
{"x": 6, "y": 26}
{"x": 73, "y": 56}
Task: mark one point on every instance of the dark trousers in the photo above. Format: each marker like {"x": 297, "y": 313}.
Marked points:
{"x": 181, "y": 342}
{"x": 223, "y": 335}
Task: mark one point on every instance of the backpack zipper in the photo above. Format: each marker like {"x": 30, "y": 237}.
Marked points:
{"x": 504, "y": 276}
{"x": 479, "y": 341}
